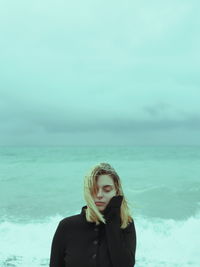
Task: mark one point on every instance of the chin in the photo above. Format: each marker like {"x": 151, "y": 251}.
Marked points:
{"x": 101, "y": 208}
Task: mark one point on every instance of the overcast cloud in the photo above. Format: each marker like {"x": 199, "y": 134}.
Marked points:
{"x": 100, "y": 72}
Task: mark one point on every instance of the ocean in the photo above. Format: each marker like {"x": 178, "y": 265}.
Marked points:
{"x": 41, "y": 185}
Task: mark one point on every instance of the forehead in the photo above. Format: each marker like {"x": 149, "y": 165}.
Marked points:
{"x": 104, "y": 179}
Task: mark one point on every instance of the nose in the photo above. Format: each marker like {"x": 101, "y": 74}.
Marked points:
{"x": 99, "y": 193}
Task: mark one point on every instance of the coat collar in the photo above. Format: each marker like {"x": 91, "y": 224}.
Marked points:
{"x": 83, "y": 211}
{"x": 83, "y": 215}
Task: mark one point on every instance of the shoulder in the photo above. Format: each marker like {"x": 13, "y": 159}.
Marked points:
{"x": 130, "y": 227}
{"x": 69, "y": 221}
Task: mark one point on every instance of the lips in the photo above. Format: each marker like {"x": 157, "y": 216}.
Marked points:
{"x": 99, "y": 203}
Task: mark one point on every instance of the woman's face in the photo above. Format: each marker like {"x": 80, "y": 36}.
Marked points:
{"x": 105, "y": 191}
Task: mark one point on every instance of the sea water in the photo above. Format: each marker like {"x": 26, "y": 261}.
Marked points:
{"x": 41, "y": 185}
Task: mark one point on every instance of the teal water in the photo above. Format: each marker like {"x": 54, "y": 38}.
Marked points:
{"x": 41, "y": 185}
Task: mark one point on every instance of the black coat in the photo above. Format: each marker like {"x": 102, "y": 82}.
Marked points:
{"x": 78, "y": 243}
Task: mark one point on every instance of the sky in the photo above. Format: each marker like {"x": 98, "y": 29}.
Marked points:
{"x": 99, "y": 72}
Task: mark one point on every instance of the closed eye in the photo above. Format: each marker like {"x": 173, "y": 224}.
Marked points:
{"x": 107, "y": 190}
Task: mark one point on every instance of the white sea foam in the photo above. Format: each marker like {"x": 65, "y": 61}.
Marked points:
{"x": 168, "y": 243}
{"x": 27, "y": 244}
{"x": 160, "y": 242}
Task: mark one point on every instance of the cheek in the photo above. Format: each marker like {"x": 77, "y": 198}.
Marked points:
{"x": 110, "y": 195}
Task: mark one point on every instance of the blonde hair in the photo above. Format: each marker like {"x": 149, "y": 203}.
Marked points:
{"x": 90, "y": 181}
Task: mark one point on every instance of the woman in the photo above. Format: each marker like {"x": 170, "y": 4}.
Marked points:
{"x": 103, "y": 234}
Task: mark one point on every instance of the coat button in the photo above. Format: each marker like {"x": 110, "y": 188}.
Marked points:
{"x": 96, "y": 229}
{"x": 95, "y": 242}
{"x": 94, "y": 256}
